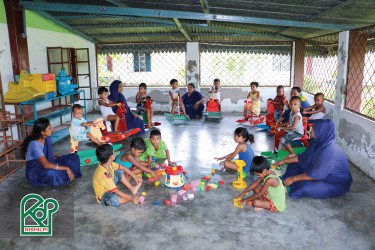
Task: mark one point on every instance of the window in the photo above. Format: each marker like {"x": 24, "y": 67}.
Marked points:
{"x": 280, "y": 63}
{"x": 142, "y": 62}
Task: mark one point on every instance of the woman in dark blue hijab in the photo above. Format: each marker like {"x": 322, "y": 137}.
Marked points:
{"x": 132, "y": 120}
{"x": 322, "y": 171}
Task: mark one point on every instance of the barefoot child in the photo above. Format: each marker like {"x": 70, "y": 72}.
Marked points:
{"x": 268, "y": 189}
{"x": 254, "y": 98}
{"x": 317, "y": 111}
{"x": 105, "y": 107}
{"x": 79, "y": 124}
{"x": 106, "y": 177}
{"x": 216, "y": 93}
{"x": 156, "y": 147}
{"x": 144, "y": 103}
{"x": 175, "y": 96}
{"x": 279, "y": 102}
{"x": 131, "y": 159}
{"x": 243, "y": 149}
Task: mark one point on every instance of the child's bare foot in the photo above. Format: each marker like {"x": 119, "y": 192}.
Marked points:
{"x": 135, "y": 200}
{"x": 117, "y": 132}
{"x": 135, "y": 188}
{"x": 150, "y": 125}
{"x": 258, "y": 209}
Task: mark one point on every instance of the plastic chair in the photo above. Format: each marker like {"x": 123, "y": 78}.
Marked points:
{"x": 305, "y": 136}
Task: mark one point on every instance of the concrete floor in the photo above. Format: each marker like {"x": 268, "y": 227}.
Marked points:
{"x": 209, "y": 221}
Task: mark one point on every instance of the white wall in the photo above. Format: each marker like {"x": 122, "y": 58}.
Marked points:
{"x": 5, "y": 57}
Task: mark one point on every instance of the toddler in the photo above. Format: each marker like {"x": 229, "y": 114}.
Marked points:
{"x": 155, "y": 147}
{"x": 79, "y": 124}
{"x": 294, "y": 128}
{"x": 297, "y": 91}
{"x": 106, "y": 177}
{"x": 317, "y": 111}
{"x": 243, "y": 149}
{"x": 268, "y": 189}
{"x": 144, "y": 104}
{"x": 279, "y": 102}
{"x": 105, "y": 107}
{"x": 254, "y": 98}
{"x": 131, "y": 159}
{"x": 175, "y": 96}
{"x": 216, "y": 93}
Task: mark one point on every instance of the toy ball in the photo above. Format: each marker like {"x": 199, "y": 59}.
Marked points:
{"x": 167, "y": 202}
{"x": 157, "y": 203}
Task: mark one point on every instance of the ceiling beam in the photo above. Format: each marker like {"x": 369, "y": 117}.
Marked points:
{"x": 116, "y": 26}
{"x": 126, "y": 35}
{"x": 66, "y": 26}
{"x": 124, "y": 11}
{"x": 182, "y": 29}
{"x": 205, "y": 9}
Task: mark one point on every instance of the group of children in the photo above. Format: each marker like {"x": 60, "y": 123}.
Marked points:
{"x": 268, "y": 189}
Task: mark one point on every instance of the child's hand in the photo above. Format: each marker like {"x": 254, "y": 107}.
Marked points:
{"x": 155, "y": 175}
{"x": 118, "y": 104}
{"x": 135, "y": 200}
{"x": 241, "y": 202}
{"x": 289, "y": 181}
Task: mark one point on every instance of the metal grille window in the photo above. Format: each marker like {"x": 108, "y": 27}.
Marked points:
{"x": 131, "y": 63}
{"x": 321, "y": 63}
{"x": 238, "y": 65}
{"x": 360, "y": 87}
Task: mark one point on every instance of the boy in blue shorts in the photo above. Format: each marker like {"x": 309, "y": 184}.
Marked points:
{"x": 106, "y": 177}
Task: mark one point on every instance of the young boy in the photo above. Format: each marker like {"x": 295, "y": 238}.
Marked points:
{"x": 144, "y": 103}
{"x": 294, "y": 128}
{"x": 108, "y": 174}
{"x": 156, "y": 147}
{"x": 175, "y": 96}
{"x": 216, "y": 90}
{"x": 297, "y": 91}
{"x": 131, "y": 159}
{"x": 106, "y": 105}
{"x": 268, "y": 189}
{"x": 79, "y": 124}
{"x": 279, "y": 102}
{"x": 317, "y": 111}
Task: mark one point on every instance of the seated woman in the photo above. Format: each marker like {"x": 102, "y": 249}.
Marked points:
{"x": 193, "y": 101}
{"x": 322, "y": 171}
{"x": 132, "y": 120}
{"x": 42, "y": 169}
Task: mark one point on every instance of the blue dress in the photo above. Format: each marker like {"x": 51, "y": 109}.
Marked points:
{"x": 131, "y": 121}
{"x": 325, "y": 162}
{"x": 247, "y": 157}
{"x": 189, "y": 102}
{"x": 37, "y": 175}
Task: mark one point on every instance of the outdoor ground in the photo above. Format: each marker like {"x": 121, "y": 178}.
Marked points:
{"x": 209, "y": 221}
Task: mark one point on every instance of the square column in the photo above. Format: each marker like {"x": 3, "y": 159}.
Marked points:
{"x": 299, "y": 61}
{"x": 192, "y": 63}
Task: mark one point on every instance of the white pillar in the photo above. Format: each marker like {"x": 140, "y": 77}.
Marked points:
{"x": 343, "y": 55}
{"x": 192, "y": 63}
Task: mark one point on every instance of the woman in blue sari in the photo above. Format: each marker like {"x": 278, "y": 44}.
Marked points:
{"x": 132, "y": 120}
{"x": 322, "y": 171}
{"x": 193, "y": 101}
{"x": 42, "y": 169}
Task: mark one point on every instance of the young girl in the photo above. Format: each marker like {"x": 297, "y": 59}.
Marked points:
{"x": 106, "y": 105}
{"x": 244, "y": 151}
{"x": 253, "y": 96}
{"x": 317, "y": 111}
{"x": 131, "y": 159}
{"x": 144, "y": 104}
{"x": 268, "y": 189}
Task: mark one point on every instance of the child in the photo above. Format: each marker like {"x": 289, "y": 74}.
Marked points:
{"x": 244, "y": 151}
{"x": 279, "y": 102}
{"x": 268, "y": 189}
{"x": 108, "y": 174}
{"x": 175, "y": 96}
{"x": 131, "y": 159}
{"x": 253, "y": 97}
{"x": 143, "y": 103}
{"x": 105, "y": 107}
{"x": 156, "y": 147}
{"x": 294, "y": 128}
{"x": 297, "y": 91}
{"x": 216, "y": 90}
{"x": 79, "y": 124}
{"x": 317, "y": 110}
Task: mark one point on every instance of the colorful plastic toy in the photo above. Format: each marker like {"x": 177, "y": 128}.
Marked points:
{"x": 157, "y": 203}
{"x": 212, "y": 108}
{"x": 250, "y": 116}
{"x": 141, "y": 199}
{"x": 64, "y": 86}
{"x": 144, "y": 194}
{"x": 174, "y": 199}
{"x": 190, "y": 196}
{"x": 167, "y": 202}
{"x": 239, "y": 183}
{"x": 157, "y": 183}
{"x": 174, "y": 177}
{"x": 236, "y": 204}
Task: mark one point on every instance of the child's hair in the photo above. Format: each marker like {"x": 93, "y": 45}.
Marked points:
{"x": 101, "y": 90}
{"x": 40, "y": 125}
{"x": 138, "y": 144}
{"x": 172, "y": 81}
{"x": 279, "y": 87}
{"x": 241, "y": 131}
{"x": 103, "y": 152}
{"x": 295, "y": 98}
{"x": 259, "y": 164}
{"x": 155, "y": 132}
{"x": 298, "y": 89}
{"x": 76, "y": 106}
{"x": 216, "y": 80}
{"x": 319, "y": 95}
{"x": 142, "y": 85}
{"x": 255, "y": 83}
